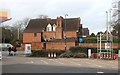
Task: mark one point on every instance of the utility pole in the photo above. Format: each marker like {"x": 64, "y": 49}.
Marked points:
{"x": 65, "y": 37}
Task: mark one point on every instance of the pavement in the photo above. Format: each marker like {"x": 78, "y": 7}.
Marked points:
{"x": 22, "y": 64}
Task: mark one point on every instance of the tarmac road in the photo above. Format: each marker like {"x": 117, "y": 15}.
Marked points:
{"x": 21, "y": 64}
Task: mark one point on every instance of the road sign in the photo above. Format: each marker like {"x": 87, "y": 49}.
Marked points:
{"x": 107, "y": 45}
{"x": 27, "y": 48}
{"x": 80, "y": 40}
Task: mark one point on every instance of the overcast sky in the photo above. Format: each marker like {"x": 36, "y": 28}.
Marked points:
{"x": 91, "y": 12}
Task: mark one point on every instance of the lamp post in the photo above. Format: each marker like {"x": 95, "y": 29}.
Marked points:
{"x": 65, "y": 33}
{"x": 65, "y": 21}
{"x": 107, "y": 25}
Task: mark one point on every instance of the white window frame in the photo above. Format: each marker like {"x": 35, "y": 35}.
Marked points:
{"x": 49, "y": 27}
{"x": 54, "y": 27}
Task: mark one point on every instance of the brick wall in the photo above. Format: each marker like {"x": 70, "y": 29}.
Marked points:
{"x": 48, "y": 35}
{"x": 70, "y": 34}
{"x": 36, "y": 45}
{"x": 59, "y": 45}
{"x": 29, "y": 37}
{"x": 115, "y": 45}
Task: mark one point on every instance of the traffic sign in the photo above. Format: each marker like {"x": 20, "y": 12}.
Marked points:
{"x": 80, "y": 40}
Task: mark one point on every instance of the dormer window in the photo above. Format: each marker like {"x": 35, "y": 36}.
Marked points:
{"x": 54, "y": 27}
{"x": 49, "y": 27}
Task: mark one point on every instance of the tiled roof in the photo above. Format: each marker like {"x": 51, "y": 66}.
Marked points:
{"x": 37, "y": 25}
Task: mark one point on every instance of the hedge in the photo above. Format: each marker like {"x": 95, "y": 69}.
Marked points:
{"x": 76, "y": 49}
{"x": 44, "y": 53}
{"x": 73, "y": 55}
{"x": 94, "y": 40}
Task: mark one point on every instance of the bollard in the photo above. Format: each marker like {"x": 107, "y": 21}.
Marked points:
{"x": 55, "y": 55}
{"x": 104, "y": 55}
{"x": 52, "y": 55}
{"x": 48, "y": 55}
{"x": 89, "y": 53}
{"x": 110, "y": 56}
{"x": 107, "y": 56}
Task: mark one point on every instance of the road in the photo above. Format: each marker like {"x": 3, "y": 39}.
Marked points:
{"x": 22, "y": 64}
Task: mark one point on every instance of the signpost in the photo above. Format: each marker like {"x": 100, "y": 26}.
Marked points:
{"x": 119, "y": 55}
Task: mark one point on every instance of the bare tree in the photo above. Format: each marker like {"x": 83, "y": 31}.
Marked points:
{"x": 43, "y": 16}
{"x": 116, "y": 18}
{"x": 22, "y": 24}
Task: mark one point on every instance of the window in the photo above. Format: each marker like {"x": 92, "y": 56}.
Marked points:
{"x": 35, "y": 34}
{"x": 54, "y": 27}
{"x": 49, "y": 27}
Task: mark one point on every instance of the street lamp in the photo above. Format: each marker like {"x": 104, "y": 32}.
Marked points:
{"x": 65, "y": 33}
{"x": 65, "y": 21}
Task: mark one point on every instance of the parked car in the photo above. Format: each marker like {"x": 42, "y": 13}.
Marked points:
{"x": 0, "y": 55}
{"x": 5, "y": 46}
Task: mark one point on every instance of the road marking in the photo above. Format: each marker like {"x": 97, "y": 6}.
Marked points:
{"x": 113, "y": 67}
{"x": 44, "y": 62}
{"x": 88, "y": 63}
{"x": 31, "y": 62}
{"x": 98, "y": 65}
{"x": 100, "y": 72}
{"x": 59, "y": 62}
{"x": 76, "y": 63}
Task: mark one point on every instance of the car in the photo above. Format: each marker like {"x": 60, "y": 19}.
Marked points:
{"x": 5, "y": 46}
{"x": 0, "y": 55}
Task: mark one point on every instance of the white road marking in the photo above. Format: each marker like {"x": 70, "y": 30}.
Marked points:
{"x": 76, "y": 63}
{"x": 100, "y": 72}
{"x": 57, "y": 61}
{"x": 44, "y": 62}
{"x": 98, "y": 65}
{"x": 31, "y": 62}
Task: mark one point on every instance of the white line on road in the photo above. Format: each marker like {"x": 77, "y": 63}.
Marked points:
{"x": 75, "y": 63}
{"x": 100, "y": 72}
{"x": 44, "y": 62}
{"x": 31, "y": 62}
{"x": 59, "y": 62}
{"x": 98, "y": 65}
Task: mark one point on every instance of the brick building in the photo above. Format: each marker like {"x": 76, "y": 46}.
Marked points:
{"x": 85, "y": 32}
{"x": 56, "y": 33}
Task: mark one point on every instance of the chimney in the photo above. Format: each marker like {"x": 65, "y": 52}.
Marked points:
{"x": 59, "y": 21}
{"x": 59, "y": 32}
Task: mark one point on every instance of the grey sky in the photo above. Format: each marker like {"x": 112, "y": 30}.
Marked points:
{"x": 91, "y": 12}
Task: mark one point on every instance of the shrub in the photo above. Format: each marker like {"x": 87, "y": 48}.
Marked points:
{"x": 67, "y": 54}
{"x": 80, "y": 55}
{"x": 39, "y": 53}
{"x": 90, "y": 40}
{"x": 78, "y": 49}
{"x": 73, "y": 55}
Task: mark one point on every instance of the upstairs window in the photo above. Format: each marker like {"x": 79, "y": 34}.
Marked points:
{"x": 49, "y": 27}
{"x": 54, "y": 27}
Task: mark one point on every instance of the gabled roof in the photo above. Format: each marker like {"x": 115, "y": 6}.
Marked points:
{"x": 37, "y": 25}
